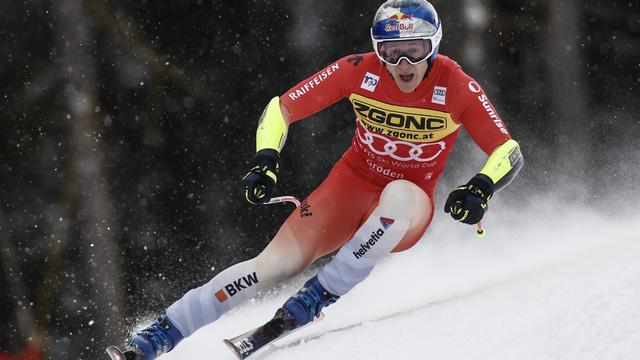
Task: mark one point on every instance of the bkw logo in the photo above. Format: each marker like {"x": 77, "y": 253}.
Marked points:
{"x": 235, "y": 287}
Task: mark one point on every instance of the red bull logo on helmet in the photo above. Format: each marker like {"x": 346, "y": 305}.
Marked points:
{"x": 399, "y": 22}
{"x": 399, "y": 16}
{"x": 398, "y": 27}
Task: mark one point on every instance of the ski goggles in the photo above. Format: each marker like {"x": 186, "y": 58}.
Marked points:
{"x": 414, "y": 50}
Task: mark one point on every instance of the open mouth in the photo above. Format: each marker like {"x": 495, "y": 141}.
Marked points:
{"x": 406, "y": 78}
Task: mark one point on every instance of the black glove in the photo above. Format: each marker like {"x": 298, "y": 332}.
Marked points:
{"x": 260, "y": 181}
{"x": 468, "y": 203}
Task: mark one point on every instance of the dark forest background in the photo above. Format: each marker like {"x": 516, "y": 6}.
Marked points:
{"x": 126, "y": 126}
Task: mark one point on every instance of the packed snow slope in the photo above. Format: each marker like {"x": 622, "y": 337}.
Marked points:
{"x": 554, "y": 284}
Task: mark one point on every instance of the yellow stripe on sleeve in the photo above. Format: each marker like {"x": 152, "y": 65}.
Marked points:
{"x": 272, "y": 128}
{"x": 503, "y": 164}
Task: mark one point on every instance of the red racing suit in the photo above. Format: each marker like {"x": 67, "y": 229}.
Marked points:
{"x": 398, "y": 136}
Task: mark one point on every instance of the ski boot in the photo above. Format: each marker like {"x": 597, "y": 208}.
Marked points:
{"x": 307, "y": 303}
{"x": 246, "y": 344}
{"x": 301, "y": 309}
{"x": 157, "y": 339}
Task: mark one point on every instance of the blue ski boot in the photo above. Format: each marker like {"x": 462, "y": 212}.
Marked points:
{"x": 157, "y": 339}
{"x": 307, "y": 303}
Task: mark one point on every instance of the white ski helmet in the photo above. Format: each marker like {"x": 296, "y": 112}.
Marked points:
{"x": 406, "y": 29}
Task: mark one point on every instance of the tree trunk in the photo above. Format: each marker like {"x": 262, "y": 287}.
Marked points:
{"x": 18, "y": 292}
{"x": 567, "y": 90}
{"x": 95, "y": 216}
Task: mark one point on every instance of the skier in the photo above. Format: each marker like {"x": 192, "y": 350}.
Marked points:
{"x": 409, "y": 103}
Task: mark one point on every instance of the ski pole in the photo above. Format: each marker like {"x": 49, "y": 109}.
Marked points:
{"x": 480, "y": 231}
{"x": 281, "y": 199}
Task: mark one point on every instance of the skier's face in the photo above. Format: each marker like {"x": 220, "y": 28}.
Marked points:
{"x": 406, "y": 75}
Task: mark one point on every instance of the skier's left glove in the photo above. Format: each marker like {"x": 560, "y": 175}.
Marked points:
{"x": 260, "y": 182}
{"x": 468, "y": 203}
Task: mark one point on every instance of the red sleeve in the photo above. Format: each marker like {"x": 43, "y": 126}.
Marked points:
{"x": 471, "y": 108}
{"x": 323, "y": 88}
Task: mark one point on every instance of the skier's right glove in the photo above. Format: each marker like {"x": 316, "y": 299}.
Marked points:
{"x": 468, "y": 203}
{"x": 260, "y": 181}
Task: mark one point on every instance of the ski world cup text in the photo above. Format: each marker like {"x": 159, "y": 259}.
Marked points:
{"x": 369, "y": 244}
{"x": 235, "y": 287}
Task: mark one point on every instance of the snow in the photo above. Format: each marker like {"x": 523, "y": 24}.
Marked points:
{"x": 549, "y": 284}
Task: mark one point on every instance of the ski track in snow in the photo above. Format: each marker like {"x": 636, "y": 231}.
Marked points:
{"x": 560, "y": 287}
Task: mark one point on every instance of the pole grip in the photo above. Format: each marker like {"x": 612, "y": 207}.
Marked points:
{"x": 286, "y": 198}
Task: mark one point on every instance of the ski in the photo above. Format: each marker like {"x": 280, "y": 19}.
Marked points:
{"x": 115, "y": 353}
{"x": 249, "y": 343}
